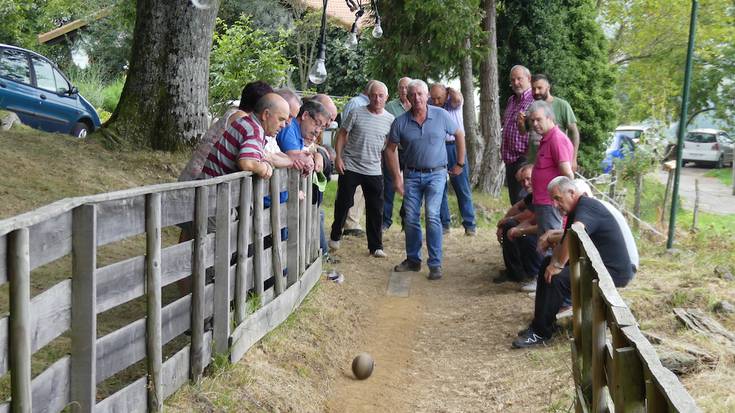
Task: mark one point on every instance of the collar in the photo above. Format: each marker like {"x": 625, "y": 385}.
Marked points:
{"x": 526, "y": 93}
{"x": 548, "y": 133}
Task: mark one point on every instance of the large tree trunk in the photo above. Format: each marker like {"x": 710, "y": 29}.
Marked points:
{"x": 475, "y": 144}
{"x": 164, "y": 101}
{"x": 493, "y": 170}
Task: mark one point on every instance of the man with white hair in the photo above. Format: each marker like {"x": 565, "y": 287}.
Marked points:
{"x": 554, "y": 286}
{"x": 515, "y": 142}
{"x": 421, "y": 132}
{"x": 359, "y": 149}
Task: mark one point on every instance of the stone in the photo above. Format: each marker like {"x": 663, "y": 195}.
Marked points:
{"x": 8, "y": 120}
{"x": 724, "y": 307}
{"x": 724, "y": 273}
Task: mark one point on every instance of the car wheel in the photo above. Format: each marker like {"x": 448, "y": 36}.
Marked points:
{"x": 80, "y": 130}
{"x": 719, "y": 163}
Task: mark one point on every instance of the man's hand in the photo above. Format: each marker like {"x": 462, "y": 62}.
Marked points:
{"x": 339, "y": 165}
{"x": 456, "y": 170}
{"x": 266, "y": 170}
{"x": 522, "y": 121}
{"x": 514, "y": 233}
{"x": 551, "y": 271}
{"x": 318, "y": 162}
{"x": 398, "y": 185}
{"x": 499, "y": 235}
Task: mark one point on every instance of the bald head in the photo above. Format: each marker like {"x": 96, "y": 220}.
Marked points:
{"x": 328, "y": 103}
{"x": 272, "y": 110}
{"x": 438, "y": 93}
{"x": 294, "y": 101}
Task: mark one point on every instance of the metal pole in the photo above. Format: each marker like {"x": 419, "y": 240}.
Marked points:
{"x": 682, "y": 124}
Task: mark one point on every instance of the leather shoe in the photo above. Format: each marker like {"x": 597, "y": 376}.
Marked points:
{"x": 407, "y": 265}
{"x": 435, "y": 273}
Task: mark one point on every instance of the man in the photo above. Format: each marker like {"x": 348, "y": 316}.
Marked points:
{"x": 515, "y": 143}
{"x": 297, "y": 138}
{"x": 395, "y": 107}
{"x": 516, "y": 233}
{"x": 241, "y": 147}
{"x": 421, "y": 132}
{"x": 554, "y": 158}
{"x": 328, "y": 104}
{"x": 563, "y": 114}
{"x": 359, "y": 149}
{"x": 554, "y": 285}
{"x": 451, "y": 100}
{"x": 294, "y": 102}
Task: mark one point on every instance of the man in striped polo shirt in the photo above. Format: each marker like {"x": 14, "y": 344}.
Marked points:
{"x": 241, "y": 147}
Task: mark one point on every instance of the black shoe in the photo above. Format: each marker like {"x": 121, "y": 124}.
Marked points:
{"x": 501, "y": 278}
{"x": 407, "y": 265}
{"x": 470, "y": 232}
{"x": 435, "y": 273}
{"x": 530, "y": 339}
{"x": 524, "y": 331}
{"x": 353, "y": 233}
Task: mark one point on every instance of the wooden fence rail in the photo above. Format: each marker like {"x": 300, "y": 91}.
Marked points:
{"x": 614, "y": 366}
{"x": 259, "y": 239}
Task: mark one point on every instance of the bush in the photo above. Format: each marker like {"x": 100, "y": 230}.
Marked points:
{"x": 111, "y": 94}
{"x": 103, "y": 94}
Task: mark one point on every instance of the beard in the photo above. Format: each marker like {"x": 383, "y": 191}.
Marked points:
{"x": 540, "y": 96}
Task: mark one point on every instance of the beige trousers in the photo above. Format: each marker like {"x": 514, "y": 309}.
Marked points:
{"x": 356, "y": 212}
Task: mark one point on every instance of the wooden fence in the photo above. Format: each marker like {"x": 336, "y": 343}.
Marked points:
{"x": 286, "y": 258}
{"x": 614, "y": 366}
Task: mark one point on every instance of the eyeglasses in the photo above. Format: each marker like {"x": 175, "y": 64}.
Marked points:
{"x": 318, "y": 123}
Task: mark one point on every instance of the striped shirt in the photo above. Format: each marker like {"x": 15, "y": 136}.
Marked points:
{"x": 515, "y": 143}
{"x": 244, "y": 138}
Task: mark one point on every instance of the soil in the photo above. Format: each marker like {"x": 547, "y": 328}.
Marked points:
{"x": 714, "y": 196}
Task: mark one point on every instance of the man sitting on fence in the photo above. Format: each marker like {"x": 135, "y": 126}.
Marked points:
{"x": 554, "y": 278}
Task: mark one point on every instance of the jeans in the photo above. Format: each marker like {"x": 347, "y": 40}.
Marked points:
{"x": 461, "y": 186}
{"x": 420, "y": 186}
{"x": 520, "y": 257}
{"x": 372, "y": 189}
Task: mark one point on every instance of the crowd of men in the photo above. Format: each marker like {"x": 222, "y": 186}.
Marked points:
{"x": 414, "y": 145}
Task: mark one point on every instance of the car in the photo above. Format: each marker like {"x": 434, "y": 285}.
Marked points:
{"x": 623, "y": 141}
{"x": 41, "y": 95}
{"x": 710, "y": 146}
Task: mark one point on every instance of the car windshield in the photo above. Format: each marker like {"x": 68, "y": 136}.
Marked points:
{"x": 701, "y": 138}
{"x": 631, "y": 134}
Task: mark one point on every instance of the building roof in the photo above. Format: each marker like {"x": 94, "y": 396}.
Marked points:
{"x": 55, "y": 35}
{"x": 338, "y": 9}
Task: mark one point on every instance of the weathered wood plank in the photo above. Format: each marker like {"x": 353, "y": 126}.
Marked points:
{"x": 132, "y": 398}
{"x": 50, "y": 239}
{"x": 276, "y": 235}
{"x": 119, "y": 219}
{"x": 243, "y": 240}
{"x": 585, "y": 293}
{"x": 4, "y": 344}
{"x": 175, "y": 372}
{"x": 84, "y": 308}
{"x": 177, "y": 206}
{"x": 198, "y": 284}
{"x": 271, "y": 315}
{"x": 629, "y": 386}
{"x": 309, "y": 220}
{"x": 20, "y": 316}
{"x": 3, "y": 259}
{"x": 51, "y": 388}
{"x": 222, "y": 254}
{"x": 258, "y": 234}
{"x": 599, "y": 328}
{"x": 655, "y": 401}
{"x": 154, "y": 351}
{"x": 303, "y": 212}
{"x": 292, "y": 221}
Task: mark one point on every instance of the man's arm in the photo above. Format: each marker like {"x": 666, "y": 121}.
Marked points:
{"x": 279, "y": 160}
{"x": 391, "y": 158}
{"x": 459, "y": 142}
{"x": 339, "y": 144}
{"x": 573, "y": 133}
{"x": 455, "y": 98}
{"x": 565, "y": 168}
{"x": 262, "y": 169}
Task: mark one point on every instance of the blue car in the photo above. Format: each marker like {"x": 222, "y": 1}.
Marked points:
{"x": 42, "y": 97}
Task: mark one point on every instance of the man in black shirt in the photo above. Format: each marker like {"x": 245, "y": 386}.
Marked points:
{"x": 554, "y": 286}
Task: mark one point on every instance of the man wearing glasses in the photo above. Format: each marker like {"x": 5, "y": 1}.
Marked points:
{"x": 296, "y": 138}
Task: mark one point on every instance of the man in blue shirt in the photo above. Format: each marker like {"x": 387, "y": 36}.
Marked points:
{"x": 421, "y": 133}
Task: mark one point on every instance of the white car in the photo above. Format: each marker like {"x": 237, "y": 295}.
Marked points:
{"x": 710, "y": 146}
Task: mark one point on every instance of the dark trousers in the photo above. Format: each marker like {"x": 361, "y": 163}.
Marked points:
{"x": 372, "y": 190}
{"x": 514, "y": 187}
{"x": 549, "y": 299}
{"x": 389, "y": 193}
{"x": 521, "y": 259}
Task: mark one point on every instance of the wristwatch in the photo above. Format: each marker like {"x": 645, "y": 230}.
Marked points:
{"x": 557, "y": 265}
{"x": 461, "y": 165}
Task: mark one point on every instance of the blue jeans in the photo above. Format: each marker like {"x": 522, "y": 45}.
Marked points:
{"x": 461, "y": 186}
{"x": 417, "y": 187}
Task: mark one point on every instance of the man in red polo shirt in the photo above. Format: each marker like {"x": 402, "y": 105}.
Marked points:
{"x": 554, "y": 158}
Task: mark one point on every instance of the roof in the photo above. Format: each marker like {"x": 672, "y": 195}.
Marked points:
{"x": 706, "y": 130}
{"x": 338, "y": 9}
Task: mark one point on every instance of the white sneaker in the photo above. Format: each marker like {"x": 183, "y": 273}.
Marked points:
{"x": 529, "y": 287}
{"x": 564, "y": 312}
{"x": 333, "y": 245}
{"x": 379, "y": 254}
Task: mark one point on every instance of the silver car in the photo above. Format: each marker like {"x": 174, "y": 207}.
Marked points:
{"x": 711, "y": 146}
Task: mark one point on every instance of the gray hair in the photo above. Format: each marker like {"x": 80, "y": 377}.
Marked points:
{"x": 564, "y": 183}
{"x": 313, "y": 108}
{"x": 543, "y": 106}
{"x": 418, "y": 83}
{"x": 402, "y": 79}
{"x": 583, "y": 187}
{"x": 377, "y": 83}
{"x": 522, "y": 68}
{"x": 289, "y": 94}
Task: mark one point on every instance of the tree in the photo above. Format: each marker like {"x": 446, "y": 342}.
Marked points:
{"x": 475, "y": 142}
{"x": 164, "y": 100}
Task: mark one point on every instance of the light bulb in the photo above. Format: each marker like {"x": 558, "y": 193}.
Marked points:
{"x": 318, "y": 72}
{"x": 377, "y": 30}
{"x": 351, "y": 41}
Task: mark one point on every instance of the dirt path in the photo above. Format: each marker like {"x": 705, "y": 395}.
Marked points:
{"x": 446, "y": 347}
{"x": 714, "y": 196}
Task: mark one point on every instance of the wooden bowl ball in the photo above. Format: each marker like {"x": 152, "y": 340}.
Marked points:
{"x": 362, "y": 366}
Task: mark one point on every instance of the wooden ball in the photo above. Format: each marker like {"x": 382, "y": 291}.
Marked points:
{"x": 362, "y": 366}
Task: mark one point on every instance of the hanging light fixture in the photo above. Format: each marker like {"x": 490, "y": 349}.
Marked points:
{"x": 351, "y": 41}
{"x": 318, "y": 72}
{"x": 377, "y": 30}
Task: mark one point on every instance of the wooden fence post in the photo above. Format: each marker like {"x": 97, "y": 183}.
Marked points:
{"x": 20, "y": 320}
{"x": 309, "y": 219}
{"x": 276, "y": 232}
{"x": 84, "y": 309}
{"x": 259, "y": 247}
{"x": 154, "y": 348}
{"x": 243, "y": 241}
{"x": 599, "y": 327}
{"x": 198, "y": 282}
{"x": 587, "y": 273}
{"x": 629, "y": 395}
{"x": 655, "y": 401}
{"x": 293, "y": 226}
{"x": 303, "y": 212}
{"x": 222, "y": 256}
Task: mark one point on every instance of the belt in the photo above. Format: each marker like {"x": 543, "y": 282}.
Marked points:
{"x": 450, "y": 142}
{"x": 427, "y": 170}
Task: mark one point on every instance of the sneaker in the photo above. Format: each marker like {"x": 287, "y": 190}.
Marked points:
{"x": 532, "y": 295}
{"x": 333, "y": 245}
{"x": 524, "y": 331}
{"x": 529, "y": 287}
{"x": 407, "y": 265}
{"x": 470, "y": 232}
{"x": 435, "y": 273}
{"x": 356, "y": 232}
{"x": 564, "y": 312}
{"x": 379, "y": 253}
{"x": 529, "y": 339}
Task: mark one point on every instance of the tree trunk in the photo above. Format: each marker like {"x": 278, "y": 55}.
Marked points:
{"x": 474, "y": 142}
{"x": 164, "y": 101}
{"x": 493, "y": 169}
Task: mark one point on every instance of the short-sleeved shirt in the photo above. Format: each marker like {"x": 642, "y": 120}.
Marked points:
{"x": 366, "y": 134}
{"x": 456, "y": 115}
{"x": 627, "y": 234}
{"x": 605, "y": 233}
{"x": 515, "y": 143}
{"x": 554, "y": 149}
{"x": 357, "y": 101}
{"x": 289, "y": 138}
{"x": 423, "y": 145}
{"x": 395, "y": 108}
{"x": 244, "y": 138}
{"x": 563, "y": 113}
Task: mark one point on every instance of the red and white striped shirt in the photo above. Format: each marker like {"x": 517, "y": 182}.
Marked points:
{"x": 244, "y": 138}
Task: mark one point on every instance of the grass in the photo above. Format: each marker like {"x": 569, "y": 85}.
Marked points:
{"x": 723, "y": 174}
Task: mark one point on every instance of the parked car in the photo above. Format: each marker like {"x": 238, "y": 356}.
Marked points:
{"x": 622, "y": 143}
{"x": 41, "y": 95}
{"x": 710, "y": 146}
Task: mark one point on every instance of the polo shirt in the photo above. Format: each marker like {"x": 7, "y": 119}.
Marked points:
{"x": 395, "y": 108}
{"x": 423, "y": 145}
{"x": 554, "y": 149}
{"x": 289, "y": 138}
